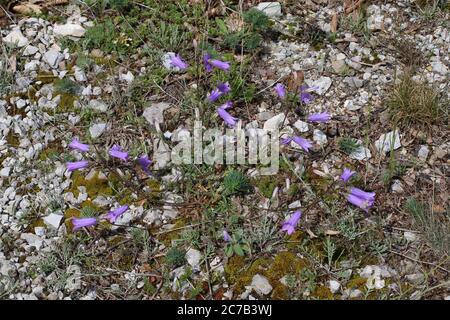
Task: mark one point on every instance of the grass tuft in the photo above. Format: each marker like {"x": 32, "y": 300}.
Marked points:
{"x": 435, "y": 229}
{"x": 414, "y": 103}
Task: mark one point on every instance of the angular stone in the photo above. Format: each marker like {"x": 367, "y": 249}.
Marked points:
{"x": 275, "y": 122}
{"x": 97, "y": 129}
{"x": 423, "y": 152}
{"x": 30, "y": 50}
{"x": 53, "y": 220}
{"x": 69, "y": 29}
{"x": 261, "y": 285}
{"x": 322, "y": 84}
{"x": 362, "y": 153}
{"x": 319, "y": 137}
{"x": 193, "y": 257}
{"x": 155, "y": 113}
{"x": 53, "y": 57}
{"x": 338, "y": 66}
{"x": 389, "y": 141}
{"x": 98, "y": 105}
{"x": 334, "y": 286}
{"x": 301, "y": 126}
{"x": 15, "y": 37}
{"x": 271, "y": 9}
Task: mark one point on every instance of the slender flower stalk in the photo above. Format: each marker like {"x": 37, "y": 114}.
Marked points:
{"x": 72, "y": 166}
{"x": 227, "y": 118}
{"x": 79, "y": 223}
{"x": 280, "y": 90}
{"x": 346, "y": 175}
{"x": 77, "y": 145}
{"x": 290, "y": 224}
{"x": 116, "y": 213}
{"x": 214, "y": 63}
{"x": 226, "y": 236}
{"x": 319, "y": 117}
{"x": 117, "y": 152}
{"x": 360, "y": 198}
{"x": 177, "y": 61}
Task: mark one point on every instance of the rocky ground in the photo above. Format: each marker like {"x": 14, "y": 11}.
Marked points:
{"x": 102, "y": 74}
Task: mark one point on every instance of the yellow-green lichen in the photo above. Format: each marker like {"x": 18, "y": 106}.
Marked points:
{"x": 322, "y": 293}
{"x": 96, "y": 185}
{"x": 13, "y": 139}
{"x": 240, "y": 273}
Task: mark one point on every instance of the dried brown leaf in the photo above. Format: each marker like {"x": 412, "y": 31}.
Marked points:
{"x": 27, "y": 9}
{"x": 334, "y": 22}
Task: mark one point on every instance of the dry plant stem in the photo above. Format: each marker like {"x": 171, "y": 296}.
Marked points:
{"x": 420, "y": 261}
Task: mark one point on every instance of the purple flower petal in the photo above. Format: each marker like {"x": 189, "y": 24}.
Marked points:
{"x": 116, "y": 213}
{"x": 286, "y": 141}
{"x": 75, "y": 144}
{"x": 303, "y": 143}
{"x": 79, "y": 223}
{"x": 116, "y": 152}
{"x": 305, "y": 96}
{"x": 223, "y": 65}
{"x": 280, "y": 90}
{"x": 221, "y": 89}
{"x": 320, "y": 117}
{"x": 224, "y": 87}
{"x": 214, "y": 95}
{"x": 206, "y": 63}
{"x": 361, "y": 199}
{"x": 347, "y": 174}
{"x": 288, "y": 228}
{"x": 369, "y": 196}
{"x": 226, "y": 236}
{"x": 72, "y": 166}
{"x": 228, "y": 118}
{"x": 210, "y": 63}
{"x": 144, "y": 162}
{"x": 178, "y": 62}
{"x": 291, "y": 223}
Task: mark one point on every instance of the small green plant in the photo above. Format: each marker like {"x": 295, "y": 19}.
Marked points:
{"x": 109, "y": 37}
{"x": 266, "y": 185}
{"x": 257, "y": 19}
{"x": 166, "y": 37}
{"x": 348, "y": 227}
{"x": 348, "y": 145}
{"x": 237, "y": 245}
{"x": 394, "y": 170}
{"x": 88, "y": 211}
{"x": 330, "y": 251}
{"x": 429, "y": 8}
{"x": 6, "y": 77}
{"x": 68, "y": 86}
{"x": 357, "y": 25}
{"x": 250, "y": 36}
{"x": 236, "y": 183}
{"x": 175, "y": 257}
{"x": 84, "y": 62}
